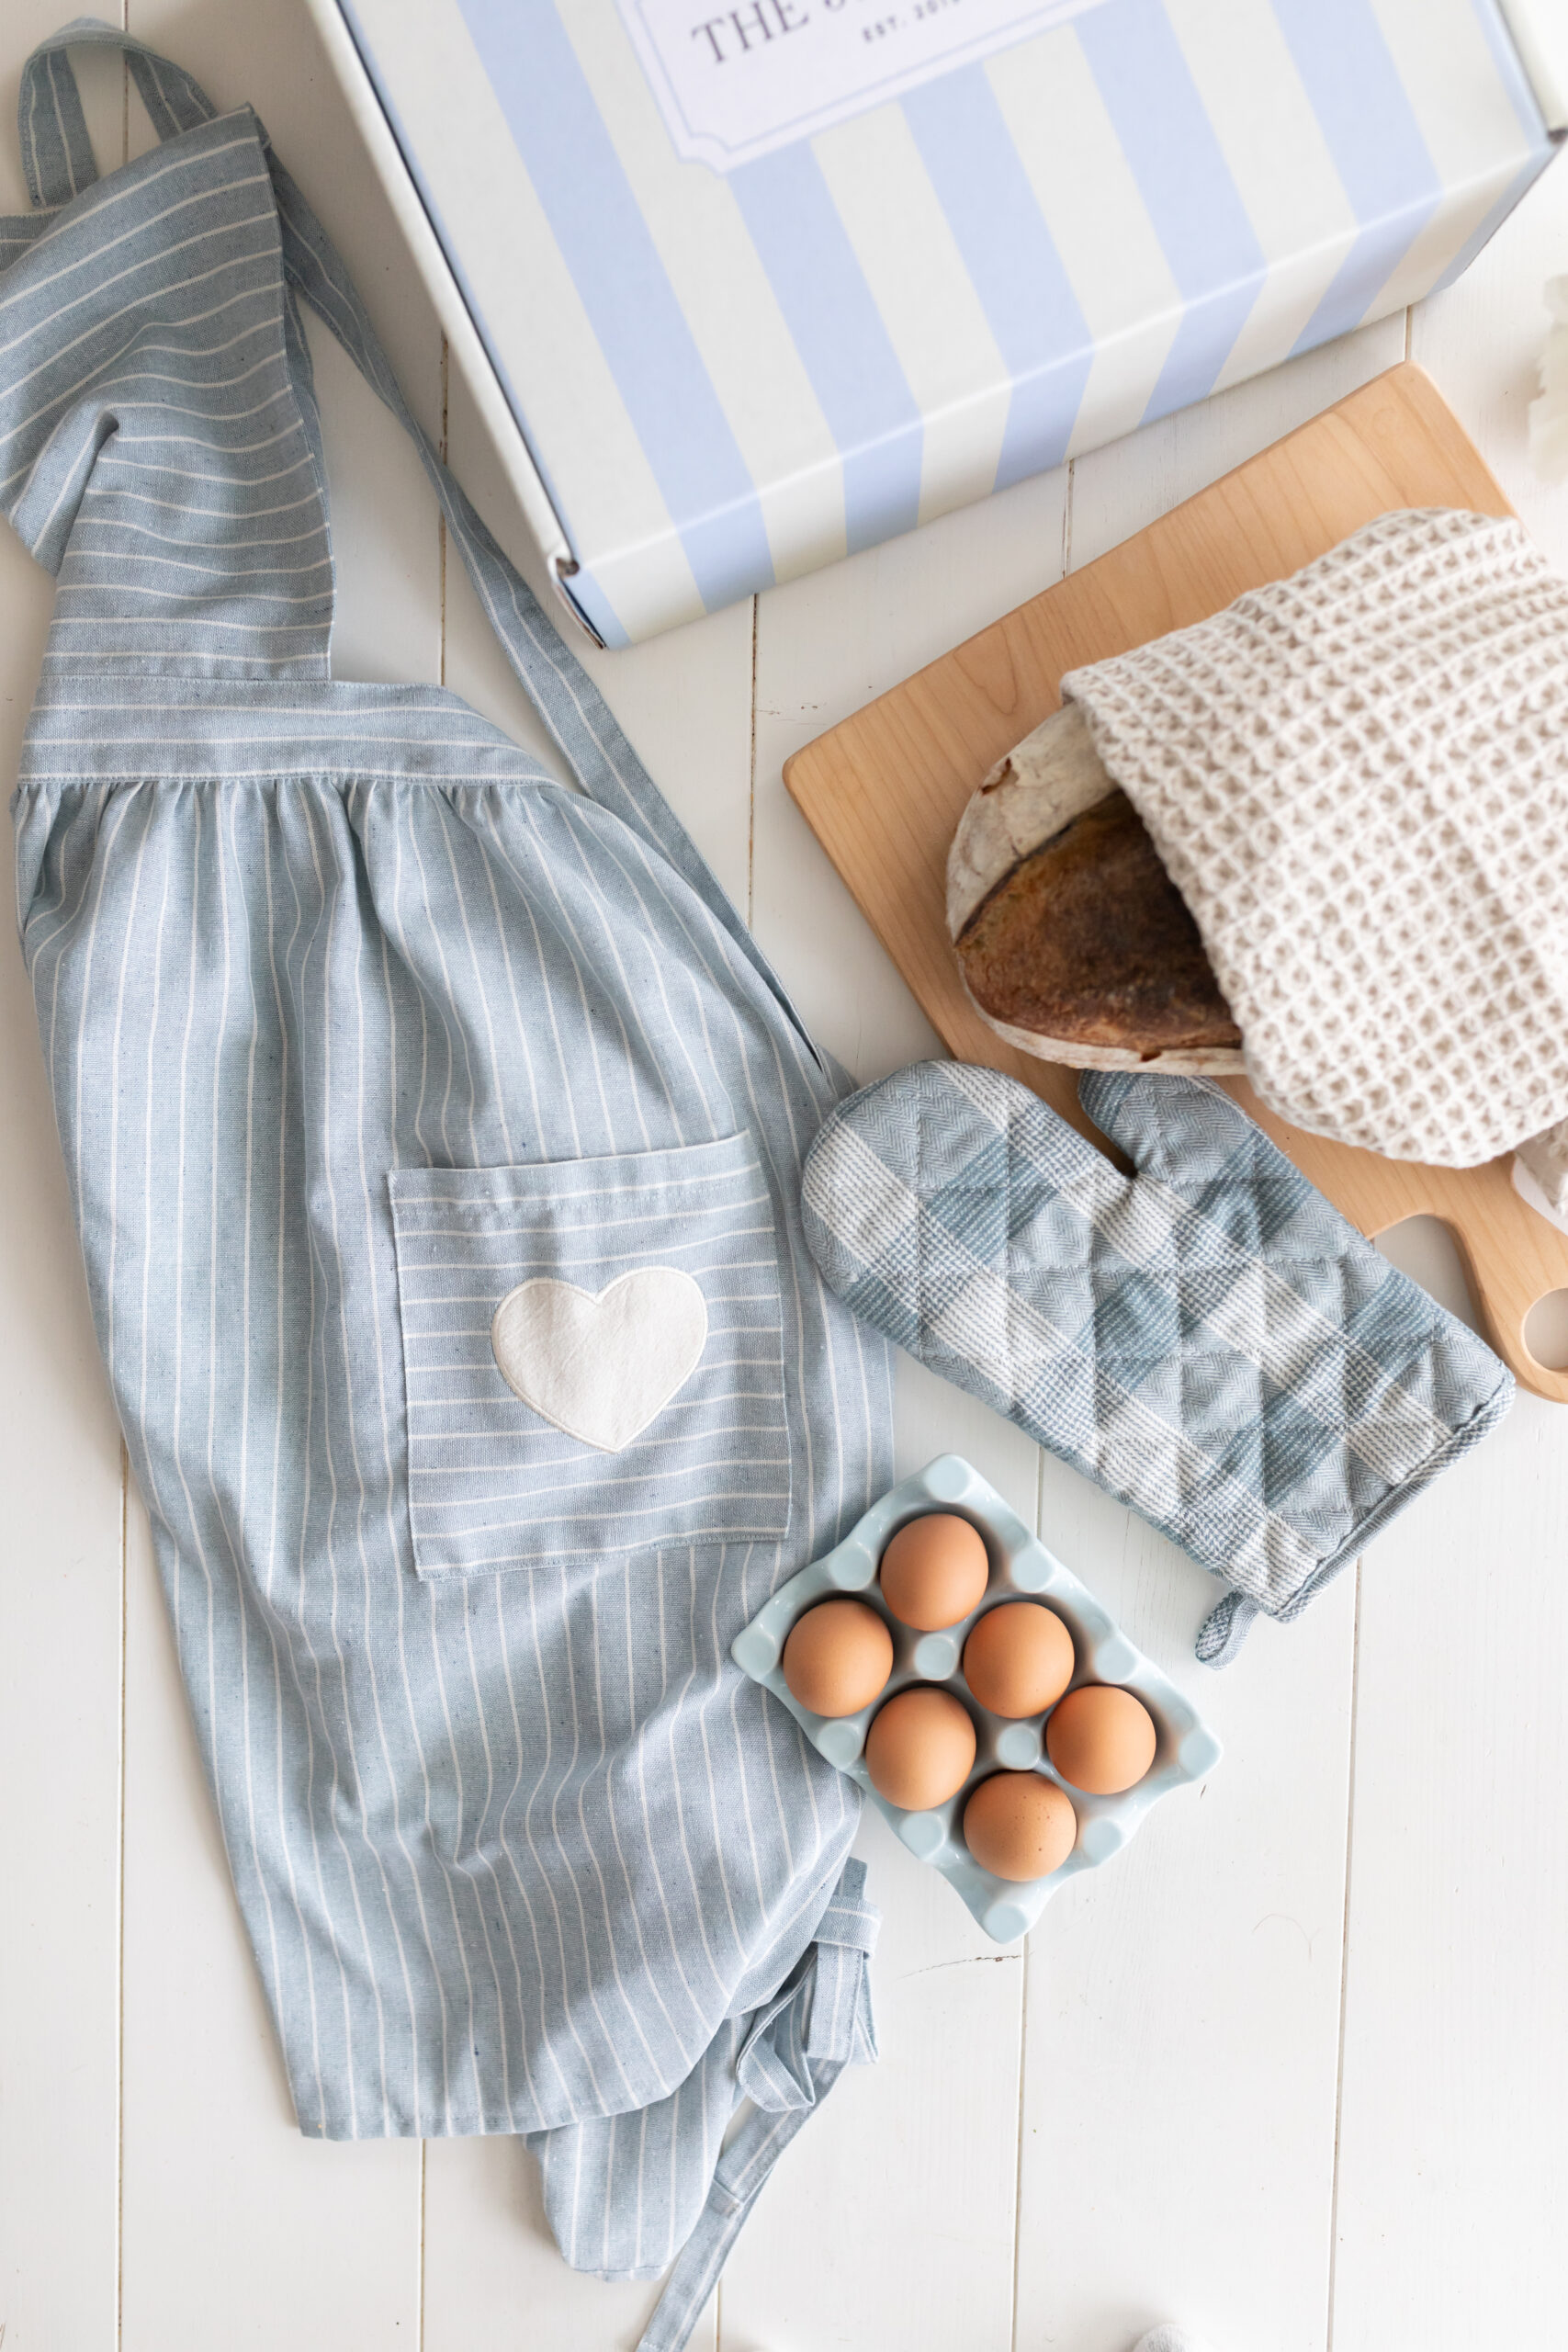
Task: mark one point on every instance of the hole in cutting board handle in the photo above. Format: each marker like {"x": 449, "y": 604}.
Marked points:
{"x": 1546, "y": 1330}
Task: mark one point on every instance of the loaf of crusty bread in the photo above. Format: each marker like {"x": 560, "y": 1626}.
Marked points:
{"x": 1072, "y": 940}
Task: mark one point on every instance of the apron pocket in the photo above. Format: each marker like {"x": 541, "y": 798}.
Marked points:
{"x": 593, "y": 1356}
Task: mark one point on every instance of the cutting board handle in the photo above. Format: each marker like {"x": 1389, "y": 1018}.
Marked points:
{"x": 1514, "y": 1258}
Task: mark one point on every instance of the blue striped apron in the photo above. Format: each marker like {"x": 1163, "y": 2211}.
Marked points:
{"x": 370, "y": 1044}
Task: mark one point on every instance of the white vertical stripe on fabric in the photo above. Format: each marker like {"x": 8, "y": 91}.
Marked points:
{"x": 236, "y": 1566}
{"x": 590, "y": 839}
{"x": 693, "y": 1881}
{"x": 384, "y": 1417}
{"x": 320, "y": 1326}
{"x": 504, "y": 1653}
{"x": 567, "y": 1092}
{"x": 588, "y": 1975}
{"x": 280, "y": 1373}
{"x": 544, "y": 1876}
{"x": 588, "y": 1029}
{"x": 476, "y": 975}
{"x": 650, "y": 1843}
{"x": 455, "y": 1750}
{"x": 302, "y": 1643}
{"x": 606, "y": 1914}
{"x": 646, "y": 1971}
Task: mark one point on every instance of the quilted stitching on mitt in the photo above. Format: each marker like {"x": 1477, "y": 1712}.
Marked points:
{"x": 1209, "y": 1339}
{"x": 1358, "y": 779}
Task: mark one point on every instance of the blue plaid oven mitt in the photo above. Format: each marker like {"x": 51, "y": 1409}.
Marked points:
{"x": 1208, "y": 1338}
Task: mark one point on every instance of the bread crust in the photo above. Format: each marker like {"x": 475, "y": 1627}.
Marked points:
{"x": 1072, "y": 942}
{"x": 1041, "y": 784}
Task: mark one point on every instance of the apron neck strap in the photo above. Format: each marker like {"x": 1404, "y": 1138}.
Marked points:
{"x": 589, "y": 736}
{"x": 586, "y": 730}
{"x": 57, "y": 154}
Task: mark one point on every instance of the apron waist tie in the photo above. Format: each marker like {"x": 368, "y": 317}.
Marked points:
{"x": 819, "y": 2024}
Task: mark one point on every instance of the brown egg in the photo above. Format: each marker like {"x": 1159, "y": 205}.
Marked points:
{"x": 1020, "y": 1826}
{"x": 1019, "y": 1659}
{"x": 837, "y": 1657}
{"x": 921, "y": 1748}
{"x": 1101, "y": 1740}
{"x": 934, "y": 1571}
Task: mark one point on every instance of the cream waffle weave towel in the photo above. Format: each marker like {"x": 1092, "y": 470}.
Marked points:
{"x": 1358, "y": 779}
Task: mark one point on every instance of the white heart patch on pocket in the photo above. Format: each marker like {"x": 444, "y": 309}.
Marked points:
{"x": 600, "y": 1368}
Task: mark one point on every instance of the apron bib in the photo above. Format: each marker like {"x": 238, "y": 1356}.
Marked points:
{"x": 433, "y": 1133}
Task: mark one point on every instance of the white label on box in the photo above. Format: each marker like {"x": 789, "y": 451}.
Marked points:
{"x": 735, "y": 83}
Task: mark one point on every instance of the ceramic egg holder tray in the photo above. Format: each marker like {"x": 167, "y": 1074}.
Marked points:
{"x": 1020, "y": 1569}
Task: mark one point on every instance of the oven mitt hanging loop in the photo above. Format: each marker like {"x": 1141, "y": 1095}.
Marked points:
{"x": 1208, "y": 1338}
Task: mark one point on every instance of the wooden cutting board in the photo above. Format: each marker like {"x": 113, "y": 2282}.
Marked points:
{"x": 882, "y": 791}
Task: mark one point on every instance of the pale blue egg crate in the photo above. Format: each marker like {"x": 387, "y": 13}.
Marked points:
{"x": 1020, "y": 1569}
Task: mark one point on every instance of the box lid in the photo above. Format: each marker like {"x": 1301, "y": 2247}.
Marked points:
{"x": 763, "y": 286}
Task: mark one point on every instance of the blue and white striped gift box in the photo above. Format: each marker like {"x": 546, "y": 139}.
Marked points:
{"x": 765, "y": 285}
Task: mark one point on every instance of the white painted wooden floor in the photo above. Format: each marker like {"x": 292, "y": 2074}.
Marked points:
{"x": 1292, "y": 2070}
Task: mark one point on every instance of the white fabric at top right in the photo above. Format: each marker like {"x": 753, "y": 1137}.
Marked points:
{"x": 1358, "y": 779}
